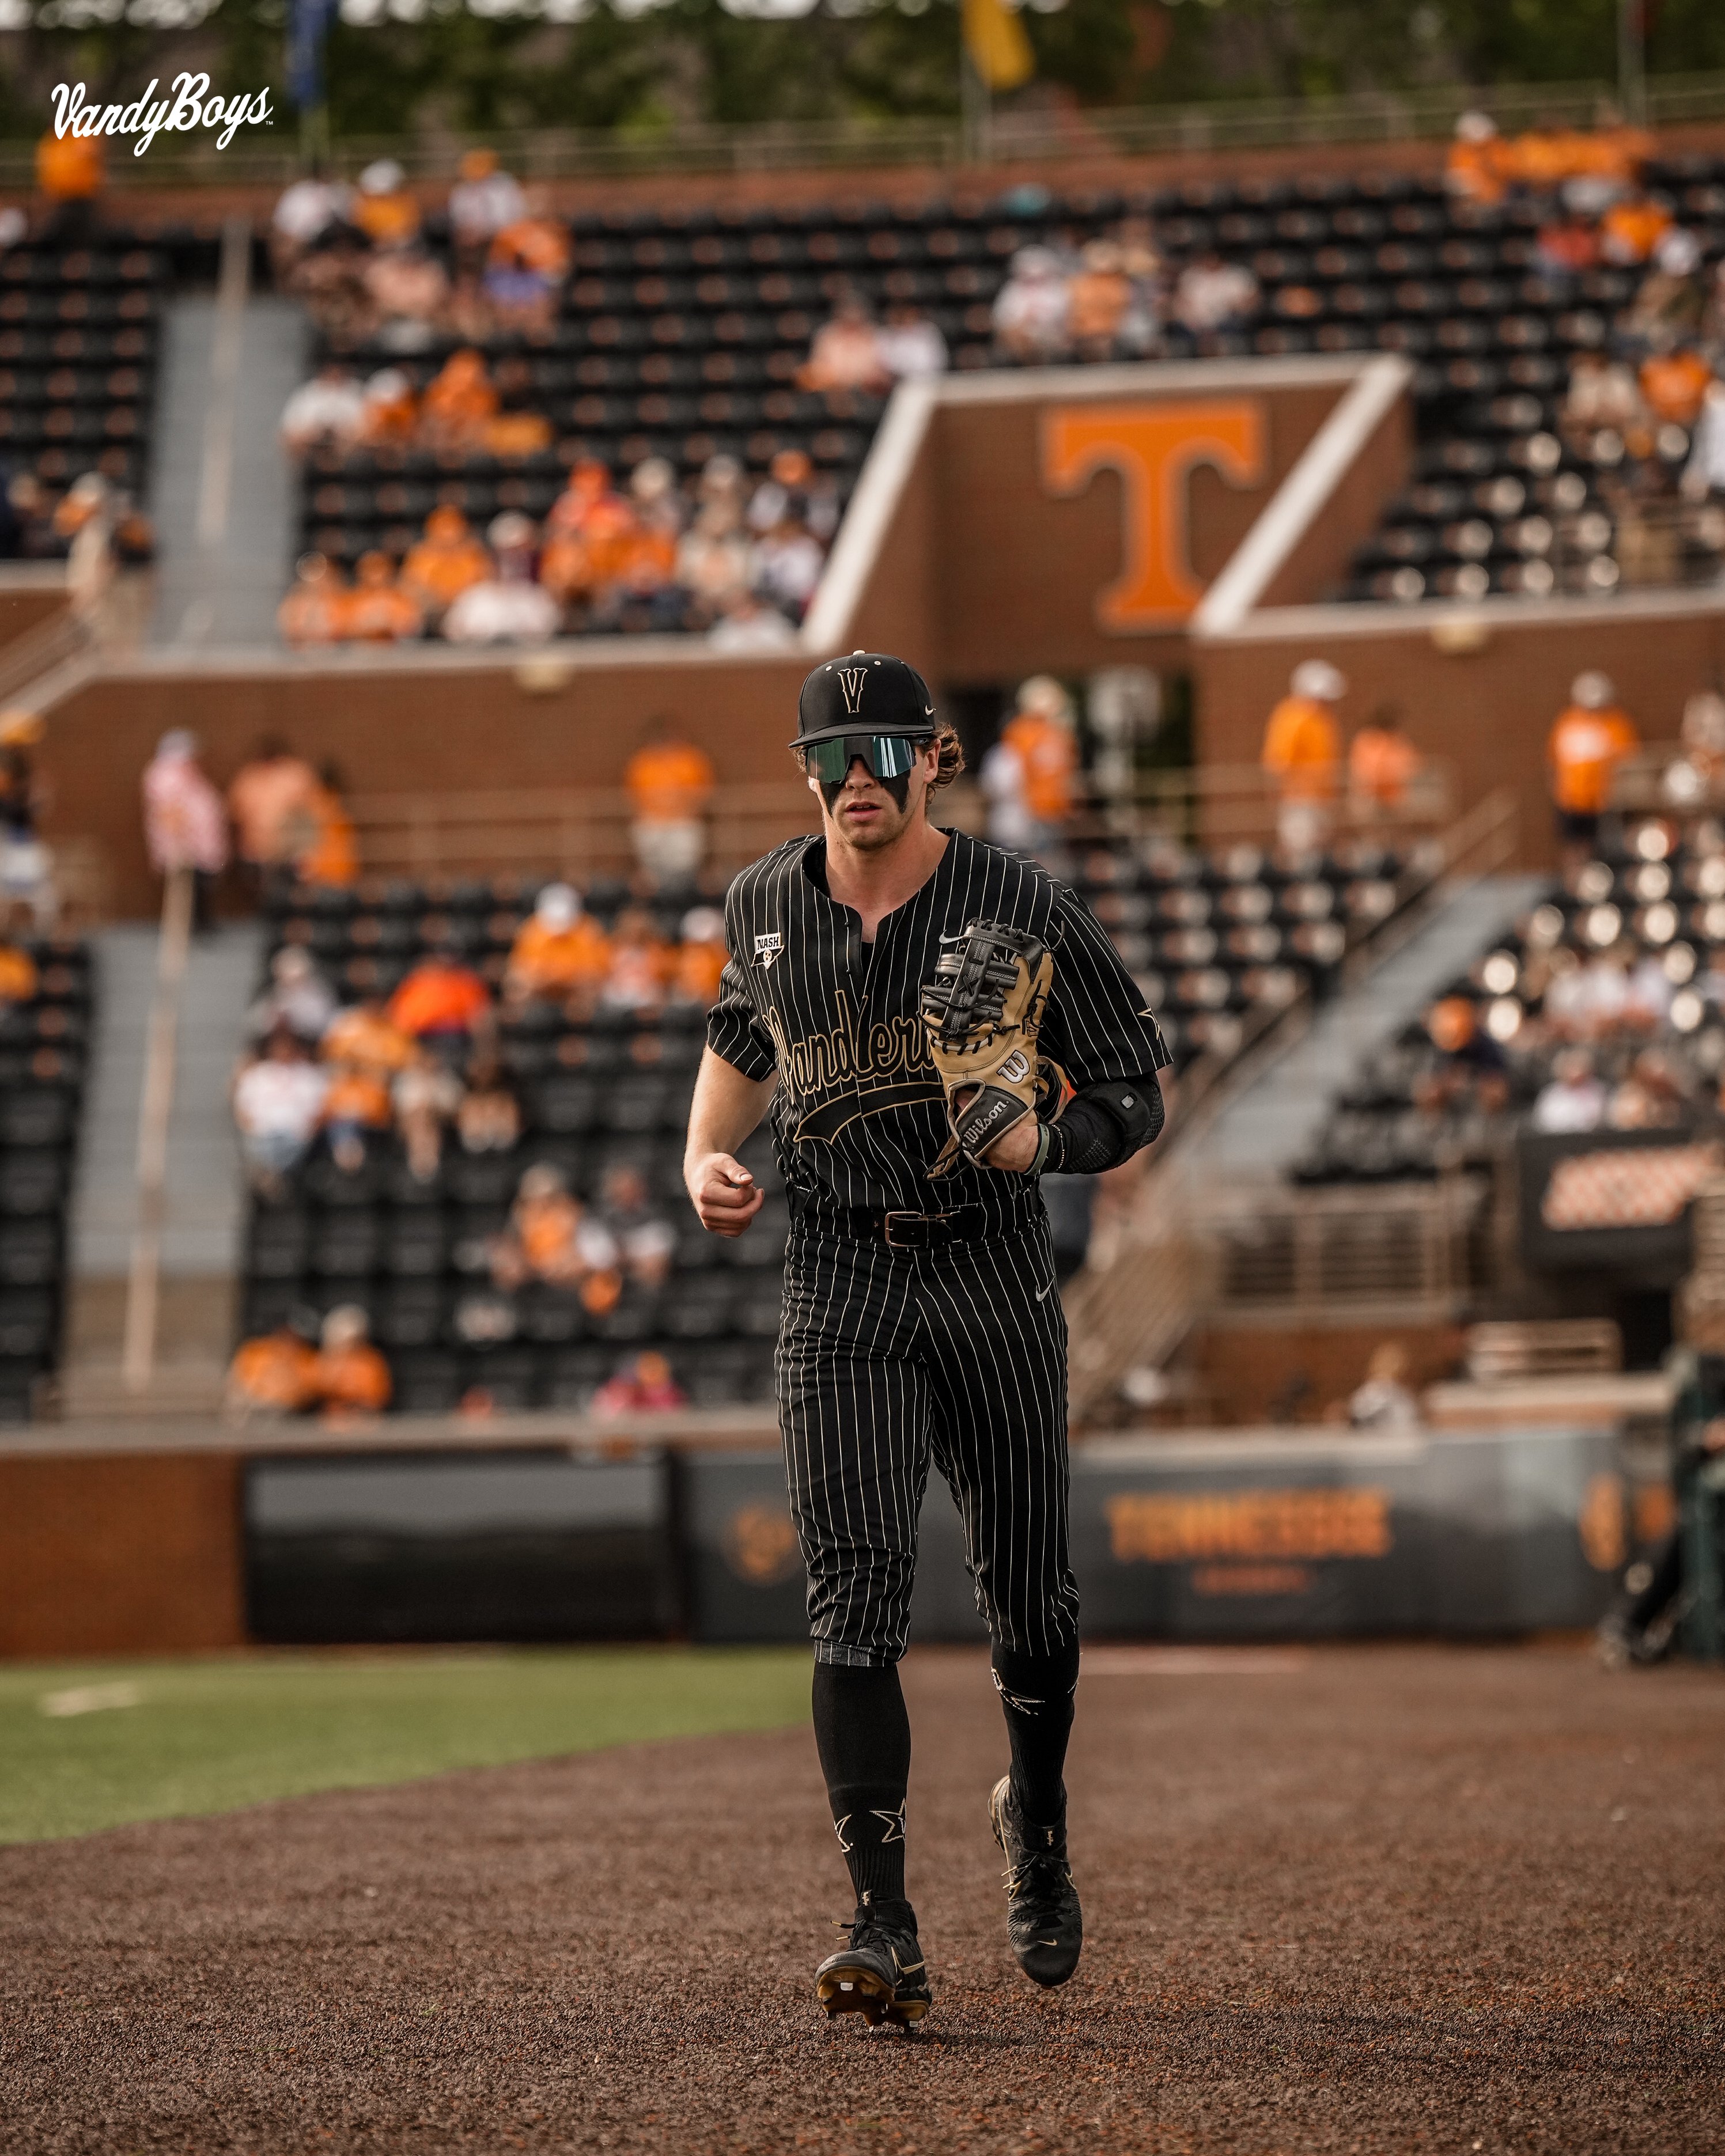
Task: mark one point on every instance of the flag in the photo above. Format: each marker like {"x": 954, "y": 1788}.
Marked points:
{"x": 999, "y": 50}
{"x": 308, "y": 27}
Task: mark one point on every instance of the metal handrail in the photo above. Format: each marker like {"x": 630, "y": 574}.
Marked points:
{"x": 1039, "y": 136}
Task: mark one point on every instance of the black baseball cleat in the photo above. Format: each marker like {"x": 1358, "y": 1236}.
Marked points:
{"x": 1042, "y": 1918}
{"x": 880, "y": 1974}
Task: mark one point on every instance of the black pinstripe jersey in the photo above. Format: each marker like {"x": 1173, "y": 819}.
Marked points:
{"x": 858, "y": 1116}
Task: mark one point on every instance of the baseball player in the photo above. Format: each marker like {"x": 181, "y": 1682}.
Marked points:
{"x": 932, "y": 1023}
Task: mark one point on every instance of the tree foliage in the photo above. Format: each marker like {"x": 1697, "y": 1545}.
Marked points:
{"x": 646, "y": 67}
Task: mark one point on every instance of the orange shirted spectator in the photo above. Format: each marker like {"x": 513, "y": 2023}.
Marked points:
{"x": 1302, "y": 752}
{"x": 17, "y": 975}
{"x": 383, "y": 209}
{"x": 270, "y": 794}
{"x": 1043, "y": 737}
{"x": 1591, "y": 737}
{"x": 670, "y": 782}
{"x": 331, "y": 855}
{"x": 363, "y": 1036}
{"x": 1478, "y": 164}
{"x": 1614, "y": 153}
{"x": 560, "y": 947}
{"x": 351, "y": 1377}
{"x": 588, "y": 483}
{"x": 378, "y": 611}
{"x": 275, "y": 1375}
{"x": 1098, "y": 298}
{"x": 1382, "y": 762}
{"x": 390, "y": 410}
{"x": 641, "y": 964}
{"x": 314, "y": 610}
{"x": 515, "y": 434}
{"x": 550, "y": 1237}
{"x": 356, "y": 1105}
{"x": 538, "y": 243}
{"x": 69, "y": 167}
{"x": 459, "y": 401}
{"x": 1674, "y": 384}
{"x": 700, "y": 958}
{"x": 440, "y": 996}
{"x": 441, "y": 565}
{"x": 1630, "y": 231}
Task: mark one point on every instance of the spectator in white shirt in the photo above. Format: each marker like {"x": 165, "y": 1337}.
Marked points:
{"x": 910, "y": 345}
{"x": 1214, "y": 294}
{"x": 1574, "y": 1101}
{"x": 509, "y": 608}
{"x": 1705, "y": 472}
{"x": 482, "y": 202}
{"x": 298, "y": 999}
{"x": 789, "y": 563}
{"x": 1031, "y": 308}
{"x": 748, "y": 625}
{"x": 329, "y": 409}
{"x": 278, "y": 1100}
{"x": 303, "y": 212}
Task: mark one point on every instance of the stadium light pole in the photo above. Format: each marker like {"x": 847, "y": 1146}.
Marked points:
{"x": 1632, "y": 60}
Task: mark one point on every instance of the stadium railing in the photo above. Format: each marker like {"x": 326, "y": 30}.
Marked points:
{"x": 1160, "y": 1255}
{"x": 1364, "y": 117}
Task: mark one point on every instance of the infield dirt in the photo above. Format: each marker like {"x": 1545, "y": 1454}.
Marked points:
{"x": 1374, "y": 1899}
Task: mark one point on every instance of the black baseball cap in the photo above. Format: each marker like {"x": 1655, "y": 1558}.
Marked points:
{"x": 870, "y": 692}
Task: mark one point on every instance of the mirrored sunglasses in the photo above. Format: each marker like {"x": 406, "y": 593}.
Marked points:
{"x": 888, "y": 756}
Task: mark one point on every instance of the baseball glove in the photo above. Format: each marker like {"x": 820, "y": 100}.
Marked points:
{"x": 983, "y": 1011}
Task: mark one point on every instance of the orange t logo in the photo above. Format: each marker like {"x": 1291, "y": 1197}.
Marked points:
{"x": 1155, "y": 448}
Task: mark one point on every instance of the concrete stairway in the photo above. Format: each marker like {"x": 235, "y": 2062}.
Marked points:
{"x": 1267, "y": 1126}
{"x": 205, "y": 1185}
{"x": 223, "y": 497}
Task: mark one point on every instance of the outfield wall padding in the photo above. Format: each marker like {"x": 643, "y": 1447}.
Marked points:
{"x": 1484, "y": 1535}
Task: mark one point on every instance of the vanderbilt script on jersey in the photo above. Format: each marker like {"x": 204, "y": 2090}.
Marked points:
{"x": 849, "y": 1071}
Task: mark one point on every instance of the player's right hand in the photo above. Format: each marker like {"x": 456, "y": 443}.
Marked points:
{"x": 724, "y": 1193}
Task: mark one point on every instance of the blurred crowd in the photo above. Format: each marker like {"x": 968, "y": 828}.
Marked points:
{"x": 1646, "y": 408}
{"x": 345, "y": 1088}
{"x": 285, "y": 821}
{"x": 357, "y": 258}
{"x": 738, "y": 561}
{"x": 1113, "y": 297}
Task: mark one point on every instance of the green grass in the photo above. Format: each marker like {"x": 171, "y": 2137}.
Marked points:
{"x": 209, "y": 1735}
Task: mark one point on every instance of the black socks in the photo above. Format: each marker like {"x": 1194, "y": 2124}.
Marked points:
{"x": 1036, "y": 1697}
{"x": 863, "y": 1735}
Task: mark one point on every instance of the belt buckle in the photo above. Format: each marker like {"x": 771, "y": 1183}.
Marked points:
{"x": 917, "y": 1242}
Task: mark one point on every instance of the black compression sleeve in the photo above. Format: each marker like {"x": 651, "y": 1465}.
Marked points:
{"x": 1105, "y": 1125}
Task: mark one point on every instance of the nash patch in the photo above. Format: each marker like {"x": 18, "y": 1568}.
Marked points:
{"x": 768, "y": 948}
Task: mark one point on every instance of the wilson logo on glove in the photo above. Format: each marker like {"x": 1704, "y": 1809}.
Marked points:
{"x": 984, "y": 1011}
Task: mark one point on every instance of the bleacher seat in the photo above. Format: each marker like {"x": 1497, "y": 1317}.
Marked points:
{"x": 43, "y": 1046}
{"x": 78, "y": 340}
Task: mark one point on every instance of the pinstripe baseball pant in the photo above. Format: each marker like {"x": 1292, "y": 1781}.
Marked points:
{"x": 887, "y": 1358}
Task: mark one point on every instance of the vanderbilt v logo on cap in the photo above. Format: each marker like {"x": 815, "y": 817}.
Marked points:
{"x": 834, "y": 696}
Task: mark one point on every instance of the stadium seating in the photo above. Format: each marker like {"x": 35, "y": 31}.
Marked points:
{"x": 43, "y": 1045}
{"x": 1659, "y": 894}
{"x": 78, "y": 349}
{"x": 1213, "y": 939}
{"x": 681, "y": 333}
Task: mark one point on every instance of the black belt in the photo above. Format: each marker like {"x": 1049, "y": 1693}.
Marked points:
{"x": 905, "y": 1231}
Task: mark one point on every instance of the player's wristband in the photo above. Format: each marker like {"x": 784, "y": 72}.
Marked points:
{"x": 1045, "y": 1139}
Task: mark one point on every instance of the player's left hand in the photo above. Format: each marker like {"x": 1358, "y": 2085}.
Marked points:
{"x": 1015, "y": 1149}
